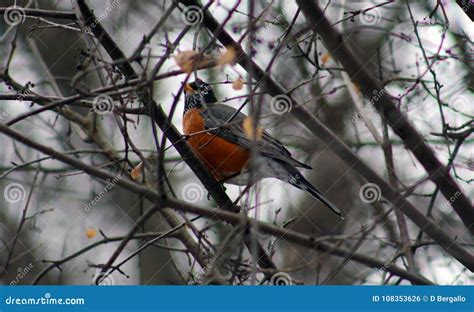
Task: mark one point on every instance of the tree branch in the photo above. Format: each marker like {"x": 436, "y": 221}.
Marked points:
{"x": 159, "y": 116}
{"x": 222, "y": 215}
{"x": 45, "y": 13}
{"x": 340, "y": 149}
{"x": 414, "y": 141}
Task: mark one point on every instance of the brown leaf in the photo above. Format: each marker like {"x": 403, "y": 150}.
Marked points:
{"x": 137, "y": 171}
{"x": 248, "y": 127}
{"x": 238, "y": 84}
{"x": 356, "y": 88}
{"x": 189, "y": 61}
{"x": 228, "y": 57}
{"x": 91, "y": 233}
{"x": 325, "y": 58}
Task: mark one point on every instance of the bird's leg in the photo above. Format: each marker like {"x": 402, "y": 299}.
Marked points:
{"x": 223, "y": 188}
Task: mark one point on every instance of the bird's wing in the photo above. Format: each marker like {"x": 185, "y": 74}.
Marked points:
{"x": 226, "y": 122}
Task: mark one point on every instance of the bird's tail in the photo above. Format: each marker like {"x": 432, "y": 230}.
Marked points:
{"x": 300, "y": 182}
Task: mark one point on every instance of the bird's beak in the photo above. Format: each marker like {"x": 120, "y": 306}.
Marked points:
{"x": 188, "y": 89}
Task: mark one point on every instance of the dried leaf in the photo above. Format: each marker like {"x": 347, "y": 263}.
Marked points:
{"x": 238, "y": 84}
{"x": 325, "y": 58}
{"x": 356, "y": 88}
{"x": 248, "y": 127}
{"x": 137, "y": 171}
{"x": 228, "y": 57}
{"x": 91, "y": 233}
{"x": 189, "y": 61}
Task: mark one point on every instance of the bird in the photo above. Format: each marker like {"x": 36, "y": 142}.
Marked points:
{"x": 223, "y": 138}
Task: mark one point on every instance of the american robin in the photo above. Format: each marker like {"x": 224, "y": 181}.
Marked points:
{"x": 219, "y": 135}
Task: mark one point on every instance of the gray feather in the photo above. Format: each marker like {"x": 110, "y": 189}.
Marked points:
{"x": 228, "y": 122}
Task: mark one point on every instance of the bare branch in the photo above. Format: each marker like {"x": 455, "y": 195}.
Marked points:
{"x": 340, "y": 149}
{"x": 438, "y": 173}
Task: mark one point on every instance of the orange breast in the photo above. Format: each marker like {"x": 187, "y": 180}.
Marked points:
{"x": 222, "y": 157}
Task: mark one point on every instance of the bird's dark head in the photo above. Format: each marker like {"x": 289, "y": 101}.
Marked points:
{"x": 198, "y": 94}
